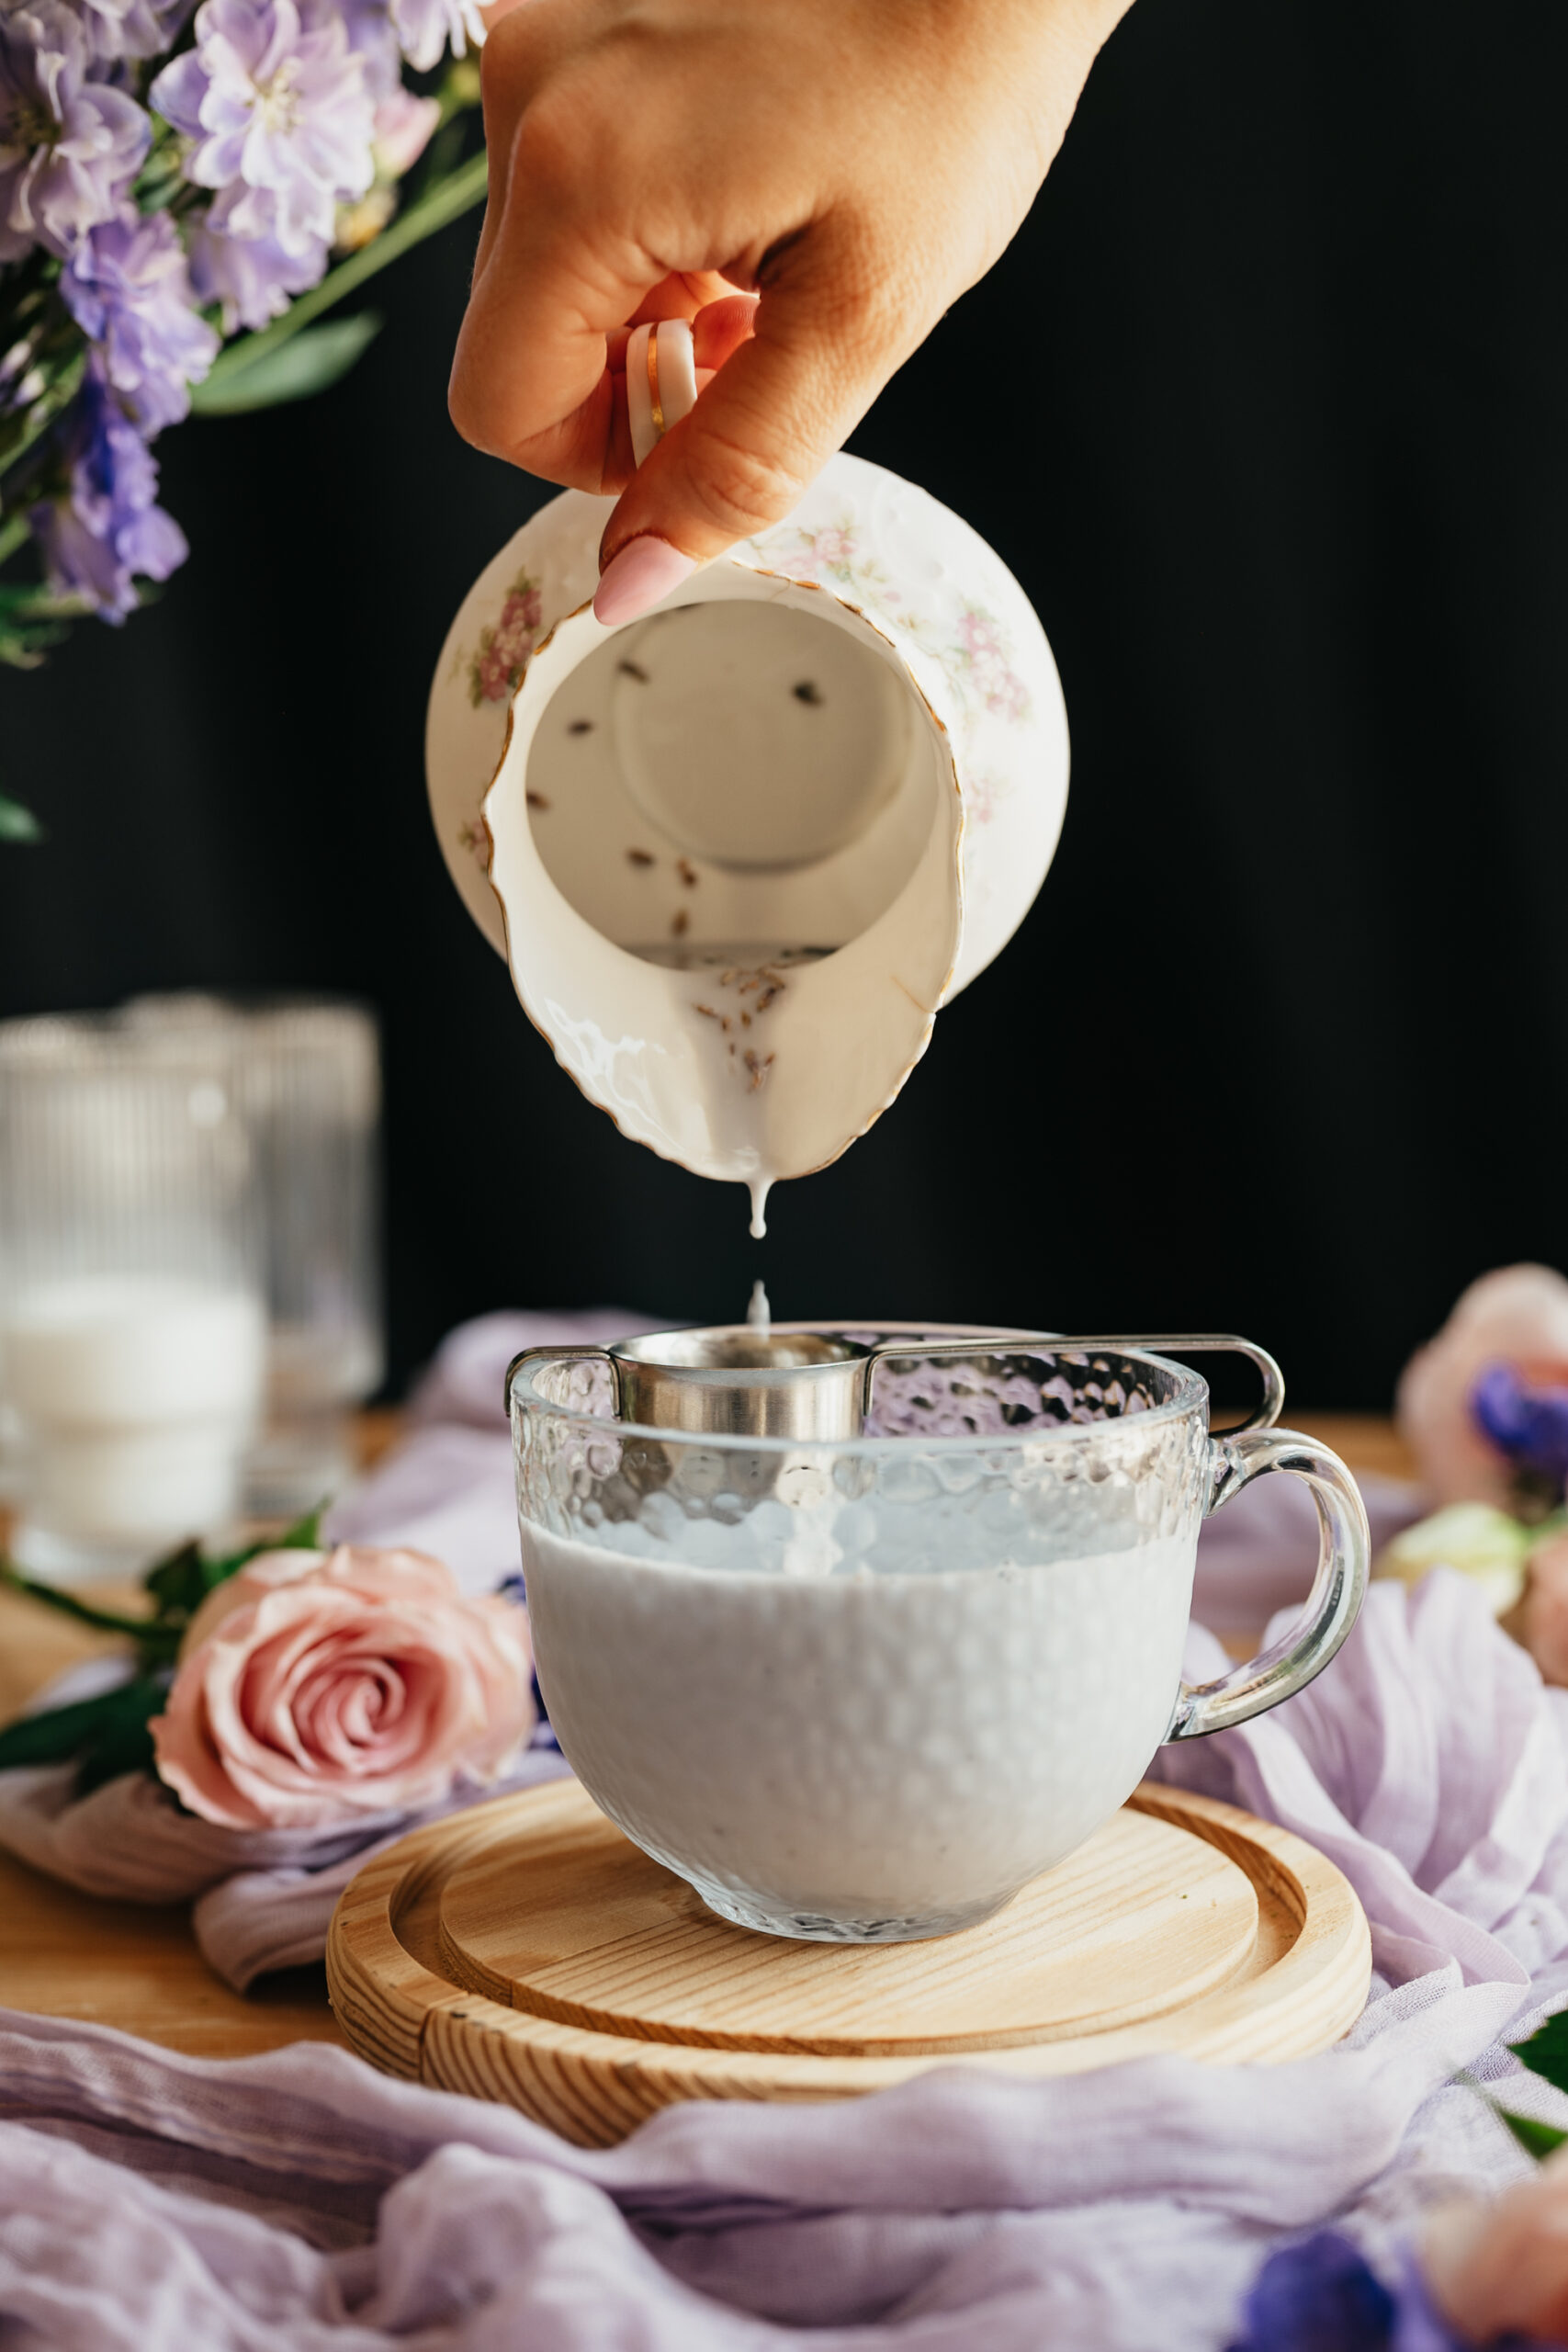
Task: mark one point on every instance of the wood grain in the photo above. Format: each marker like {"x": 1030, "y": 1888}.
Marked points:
{"x": 529, "y": 1953}
{"x": 1139, "y": 1922}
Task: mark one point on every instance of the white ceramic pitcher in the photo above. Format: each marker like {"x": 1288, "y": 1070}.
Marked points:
{"x": 739, "y": 850}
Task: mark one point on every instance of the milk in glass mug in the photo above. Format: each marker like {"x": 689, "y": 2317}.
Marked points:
{"x": 864, "y": 1690}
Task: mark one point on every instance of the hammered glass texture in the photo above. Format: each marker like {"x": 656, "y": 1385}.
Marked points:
{"x": 862, "y": 1691}
{"x": 1067, "y": 1457}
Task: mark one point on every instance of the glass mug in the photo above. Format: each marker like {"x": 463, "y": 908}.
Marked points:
{"x": 865, "y": 1690}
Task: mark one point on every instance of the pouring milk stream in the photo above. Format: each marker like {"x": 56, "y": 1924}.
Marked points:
{"x": 738, "y": 852}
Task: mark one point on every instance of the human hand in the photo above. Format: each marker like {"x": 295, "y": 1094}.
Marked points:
{"x": 855, "y": 163}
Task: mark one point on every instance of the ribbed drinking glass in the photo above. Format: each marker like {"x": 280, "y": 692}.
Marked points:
{"x": 132, "y": 1326}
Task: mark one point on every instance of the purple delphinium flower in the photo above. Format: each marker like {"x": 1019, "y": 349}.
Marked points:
{"x": 106, "y": 529}
{"x": 425, "y": 27}
{"x": 132, "y": 28}
{"x": 279, "y": 109}
{"x": 1321, "y": 2296}
{"x": 128, "y": 289}
{"x": 69, "y": 147}
{"x": 252, "y": 278}
{"x": 1524, "y": 1419}
{"x": 371, "y": 38}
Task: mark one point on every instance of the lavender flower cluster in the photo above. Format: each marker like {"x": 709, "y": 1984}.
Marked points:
{"x": 153, "y": 203}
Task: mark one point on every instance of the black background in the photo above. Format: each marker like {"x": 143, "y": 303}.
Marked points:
{"x": 1266, "y": 407}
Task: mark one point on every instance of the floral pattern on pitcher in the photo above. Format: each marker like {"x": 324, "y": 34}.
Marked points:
{"x": 983, "y": 657}
{"x": 984, "y": 792}
{"x": 832, "y": 552}
{"x": 496, "y": 667}
{"x": 475, "y": 837}
{"x": 972, "y": 646}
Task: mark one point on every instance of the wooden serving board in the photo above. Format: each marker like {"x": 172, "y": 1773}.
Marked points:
{"x": 527, "y": 1951}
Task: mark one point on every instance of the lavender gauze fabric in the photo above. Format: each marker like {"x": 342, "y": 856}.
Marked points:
{"x": 300, "y": 2198}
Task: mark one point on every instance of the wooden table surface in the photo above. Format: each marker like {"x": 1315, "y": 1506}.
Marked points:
{"x": 74, "y": 1955}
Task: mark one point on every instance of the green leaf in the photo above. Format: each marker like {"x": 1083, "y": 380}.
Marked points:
{"x": 305, "y": 1536}
{"x": 123, "y": 1743}
{"x": 24, "y": 648}
{"x": 32, "y": 619}
{"x": 110, "y": 1726}
{"x": 17, "y": 823}
{"x": 60, "y": 1732}
{"x": 1546, "y": 2053}
{"x": 308, "y": 363}
{"x": 1537, "y": 2140}
{"x": 109, "y": 1732}
{"x": 180, "y": 1581}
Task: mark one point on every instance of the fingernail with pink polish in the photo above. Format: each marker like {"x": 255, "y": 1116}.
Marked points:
{"x": 638, "y": 578}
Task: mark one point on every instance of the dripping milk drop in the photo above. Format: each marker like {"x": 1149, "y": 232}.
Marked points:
{"x": 759, "y": 1314}
{"x": 730, "y": 1019}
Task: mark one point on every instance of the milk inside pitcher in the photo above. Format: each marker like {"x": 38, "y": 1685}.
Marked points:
{"x": 739, "y": 850}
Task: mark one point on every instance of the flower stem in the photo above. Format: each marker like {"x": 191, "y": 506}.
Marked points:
{"x": 54, "y": 1596}
{"x": 41, "y": 415}
{"x": 447, "y": 202}
{"x": 12, "y": 534}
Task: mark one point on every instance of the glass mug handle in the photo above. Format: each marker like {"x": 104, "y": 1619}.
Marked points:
{"x": 1236, "y": 1459}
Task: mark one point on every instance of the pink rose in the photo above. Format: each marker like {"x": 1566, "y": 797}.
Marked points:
{"x": 316, "y": 1685}
{"x": 1518, "y": 1316}
{"x": 1502, "y": 2269}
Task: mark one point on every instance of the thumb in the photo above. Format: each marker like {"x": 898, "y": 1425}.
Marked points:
{"x": 765, "y": 426}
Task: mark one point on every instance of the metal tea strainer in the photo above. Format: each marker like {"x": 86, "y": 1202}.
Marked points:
{"x": 799, "y": 1382}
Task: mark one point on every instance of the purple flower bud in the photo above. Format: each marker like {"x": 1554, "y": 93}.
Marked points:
{"x": 1322, "y": 2296}
{"x": 69, "y": 147}
{"x": 128, "y": 289}
{"x": 1318, "y": 2296}
{"x": 106, "y": 530}
{"x": 1525, "y": 1421}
